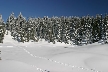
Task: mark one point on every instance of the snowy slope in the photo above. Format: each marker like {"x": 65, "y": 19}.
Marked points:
{"x": 43, "y": 56}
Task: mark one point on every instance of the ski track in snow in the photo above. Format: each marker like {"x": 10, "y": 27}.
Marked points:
{"x": 61, "y": 63}
{"x": 37, "y": 68}
{"x": 44, "y": 58}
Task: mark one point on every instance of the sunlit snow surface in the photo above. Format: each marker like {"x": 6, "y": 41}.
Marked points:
{"x": 43, "y": 57}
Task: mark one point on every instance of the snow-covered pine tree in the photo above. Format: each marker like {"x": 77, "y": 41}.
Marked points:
{"x": 20, "y": 24}
{"x": 87, "y": 30}
{"x": 38, "y": 29}
{"x": 31, "y": 27}
{"x": 2, "y": 29}
{"x": 90, "y": 28}
{"x": 67, "y": 21}
{"x": 102, "y": 30}
{"x": 50, "y": 31}
{"x": 96, "y": 29}
{"x": 11, "y": 23}
{"x": 106, "y": 27}
{"x": 35, "y": 29}
{"x": 45, "y": 22}
{"x": 72, "y": 30}
{"x": 61, "y": 30}
{"x": 79, "y": 30}
{"x": 82, "y": 31}
{"x": 53, "y": 30}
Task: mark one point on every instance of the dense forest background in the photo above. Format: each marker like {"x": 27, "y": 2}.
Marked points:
{"x": 70, "y": 30}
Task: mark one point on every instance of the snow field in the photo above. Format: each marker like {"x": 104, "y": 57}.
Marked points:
{"x": 44, "y": 57}
{"x": 68, "y": 65}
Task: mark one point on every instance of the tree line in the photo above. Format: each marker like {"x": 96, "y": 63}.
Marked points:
{"x": 74, "y": 30}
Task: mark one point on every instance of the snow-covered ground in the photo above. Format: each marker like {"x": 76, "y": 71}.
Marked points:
{"x": 43, "y": 56}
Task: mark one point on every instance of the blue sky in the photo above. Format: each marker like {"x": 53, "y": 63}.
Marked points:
{"x": 40, "y": 8}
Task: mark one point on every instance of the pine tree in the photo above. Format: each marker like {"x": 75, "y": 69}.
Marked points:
{"x": 20, "y": 27}
{"x": 10, "y": 24}
{"x": 106, "y": 28}
{"x": 2, "y": 29}
{"x": 72, "y": 30}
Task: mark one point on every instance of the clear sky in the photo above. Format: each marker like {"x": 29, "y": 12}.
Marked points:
{"x": 40, "y": 8}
